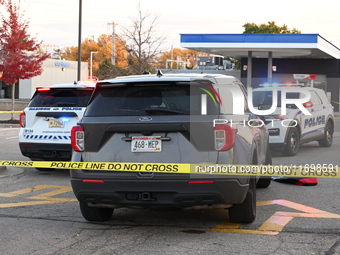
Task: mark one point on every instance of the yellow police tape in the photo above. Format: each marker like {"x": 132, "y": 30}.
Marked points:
{"x": 303, "y": 170}
{"x": 10, "y": 111}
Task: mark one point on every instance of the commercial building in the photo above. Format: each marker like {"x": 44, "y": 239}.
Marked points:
{"x": 55, "y": 71}
{"x": 279, "y": 58}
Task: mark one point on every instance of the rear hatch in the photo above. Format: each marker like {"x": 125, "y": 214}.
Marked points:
{"x": 52, "y": 112}
{"x": 156, "y": 122}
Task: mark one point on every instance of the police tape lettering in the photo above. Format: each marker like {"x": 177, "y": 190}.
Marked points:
{"x": 306, "y": 170}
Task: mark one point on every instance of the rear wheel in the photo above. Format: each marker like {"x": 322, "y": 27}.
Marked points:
{"x": 327, "y": 140}
{"x": 95, "y": 213}
{"x": 293, "y": 142}
{"x": 44, "y": 169}
{"x": 246, "y": 211}
{"x": 41, "y": 168}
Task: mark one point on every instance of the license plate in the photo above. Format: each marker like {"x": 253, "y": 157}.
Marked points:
{"x": 55, "y": 123}
{"x": 146, "y": 144}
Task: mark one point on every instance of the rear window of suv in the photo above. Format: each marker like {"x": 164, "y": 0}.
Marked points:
{"x": 140, "y": 99}
{"x": 60, "y": 97}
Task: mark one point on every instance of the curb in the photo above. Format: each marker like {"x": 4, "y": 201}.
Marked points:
{"x": 9, "y": 125}
{"x": 11, "y": 171}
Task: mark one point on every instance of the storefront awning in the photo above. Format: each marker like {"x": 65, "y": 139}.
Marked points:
{"x": 281, "y": 45}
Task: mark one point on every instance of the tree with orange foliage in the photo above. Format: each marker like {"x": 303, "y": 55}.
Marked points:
{"x": 19, "y": 53}
{"x": 103, "y": 48}
{"x": 188, "y": 56}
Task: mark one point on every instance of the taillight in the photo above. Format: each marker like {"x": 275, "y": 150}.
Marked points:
{"x": 200, "y": 182}
{"x": 43, "y": 89}
{"x": 224, "y": 137}
{"x": 22, "y": 119}
{"x": 93, "y": 181}
{"x": 77, "y": 138}
{"x": 281, "y": 117}
{"x": 308, "y": 104}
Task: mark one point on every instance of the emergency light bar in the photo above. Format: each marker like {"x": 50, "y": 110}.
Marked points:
{"x": 281, "y": 85}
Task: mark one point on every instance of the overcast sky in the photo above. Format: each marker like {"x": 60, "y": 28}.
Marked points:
{"x": 56, "y": 22}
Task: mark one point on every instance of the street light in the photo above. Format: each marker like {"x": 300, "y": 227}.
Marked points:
{"x": 91, "y": 63}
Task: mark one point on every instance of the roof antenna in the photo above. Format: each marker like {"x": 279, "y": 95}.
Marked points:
{"x": 159, "y": 73}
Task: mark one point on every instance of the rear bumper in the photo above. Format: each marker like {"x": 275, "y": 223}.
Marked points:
{"x": 149, "y": 193}
{"x": 46, "y": 151}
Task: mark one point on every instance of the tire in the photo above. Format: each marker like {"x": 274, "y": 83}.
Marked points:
{"x": 246, "y": 211}
{"x": 44, "y": 169}
{"x": 327, "y": 140}
{"x": 95, "y": 213}
{"x": 264, "y": 182}
{"x": 41, "y": 168}
{"x": 293, "y": 142}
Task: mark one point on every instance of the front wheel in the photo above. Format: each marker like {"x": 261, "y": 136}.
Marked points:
{"x": 264, "y": 182}
{"x": 95, "y": 213}
{"x": 246, "y": 211}
{"x": 293, "y": 142}
{"x": 327, "y": 140}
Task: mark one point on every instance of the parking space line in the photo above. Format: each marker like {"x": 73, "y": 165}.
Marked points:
{"x": 277, "y": 222}
{"x": 272, "y": 226}
{"x": 44, "y": 198}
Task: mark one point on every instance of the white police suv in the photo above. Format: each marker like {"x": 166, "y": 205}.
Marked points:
{"x": 47, "y": 120}
{"x": 288, "y": 131}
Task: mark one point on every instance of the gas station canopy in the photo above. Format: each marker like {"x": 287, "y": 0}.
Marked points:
{"x": 280, "y": 45}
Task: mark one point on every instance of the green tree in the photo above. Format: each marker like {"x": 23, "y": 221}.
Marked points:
{"x": 107, "y": 70}
{"x": 270, "y": 28}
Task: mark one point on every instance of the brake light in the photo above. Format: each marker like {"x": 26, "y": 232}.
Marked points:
{"x": 22, "y": 119}
{"x": 77, "y": 138}
{"x": 224, "y": 137}
{"x": 43, "y": 89}
{"x": 308, "y": 104}
{"x": 281, "y": 117}
{"x": 199, "y": 182}
{"x": 93, "y": 181}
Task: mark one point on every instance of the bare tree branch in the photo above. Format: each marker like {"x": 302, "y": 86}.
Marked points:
{"x": 142, "y": 41}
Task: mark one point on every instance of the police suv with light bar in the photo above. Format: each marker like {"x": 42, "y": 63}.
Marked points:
{"x": 161, "y": 121}
{"x": 287, "y": 132}
{"x": 47, "y": 120}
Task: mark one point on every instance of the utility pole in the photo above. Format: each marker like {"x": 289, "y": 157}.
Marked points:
{"x": 113, "y": 62}
{"x": 79, "y": 42}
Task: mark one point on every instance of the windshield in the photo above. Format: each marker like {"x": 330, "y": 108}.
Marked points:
{"x": 53, "y": 97}
{"x": 167, "y": 98}
{"x": 266, "y": 98}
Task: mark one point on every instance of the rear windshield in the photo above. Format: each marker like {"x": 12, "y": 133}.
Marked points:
{"x": 134, "y": 99}
{"x": 54, "y": 97}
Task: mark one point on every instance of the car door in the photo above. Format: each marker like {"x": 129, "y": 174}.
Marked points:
{"x": 313, "y": 125}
